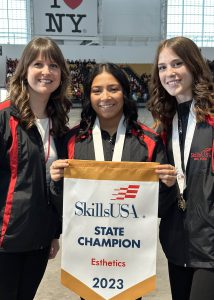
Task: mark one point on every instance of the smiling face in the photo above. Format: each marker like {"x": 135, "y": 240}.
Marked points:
{"x": 107, "y": 98}
{"x": 43, "y": 77}
{"x": 174, "y": 75}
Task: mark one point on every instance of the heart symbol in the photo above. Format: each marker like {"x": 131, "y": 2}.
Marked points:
{"x": 73, "y": 3}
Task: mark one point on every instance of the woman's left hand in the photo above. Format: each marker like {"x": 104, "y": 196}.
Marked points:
{"x": 54, "y": 248}
{"x": 167, "y": 174}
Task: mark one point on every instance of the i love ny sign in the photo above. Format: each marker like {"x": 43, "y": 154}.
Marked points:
{"x": 64, "y": 19}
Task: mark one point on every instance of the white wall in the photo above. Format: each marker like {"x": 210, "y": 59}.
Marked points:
{"x": 208, "y": 53}
{"x": 131, "y": 17}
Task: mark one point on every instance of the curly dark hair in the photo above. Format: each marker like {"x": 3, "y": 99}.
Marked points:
{"x": 88, "y": 114}
{"x": 161, "y": 104}
{"x": 58, "y": 105}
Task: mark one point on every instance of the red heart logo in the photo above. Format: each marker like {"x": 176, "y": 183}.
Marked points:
{"x": 73, "y": 3}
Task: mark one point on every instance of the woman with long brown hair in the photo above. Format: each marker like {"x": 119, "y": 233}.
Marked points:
{"x": 32, "y": 120}
{"x": 182, "y": 103}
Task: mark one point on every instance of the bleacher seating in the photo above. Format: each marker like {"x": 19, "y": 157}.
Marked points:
{"x": 139, "y": 85}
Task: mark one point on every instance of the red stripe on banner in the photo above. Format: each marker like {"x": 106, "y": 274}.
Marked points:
{"x": 13, "y": 154}
{"x": 132, "y": 191}
{"x": 129, "y": 192}
{"x": 134, "y": 186}
{"x": 118, "y": 198}
{"x": 130, "y": 196}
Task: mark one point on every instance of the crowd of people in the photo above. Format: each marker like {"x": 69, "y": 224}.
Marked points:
{"x": 139, "y": 85}
{"x": 10, "y": 68}
{"x": 79, "y": 70}
{"x": 35, "y": 143}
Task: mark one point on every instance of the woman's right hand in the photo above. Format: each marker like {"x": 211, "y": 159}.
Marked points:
{"x": 167, "y": 174}
{"x": 57, "y": 169}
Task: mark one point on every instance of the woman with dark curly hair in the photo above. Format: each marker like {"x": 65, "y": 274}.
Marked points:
{"x": 32, "y": 120}
{"x": 182, "y": 103}
{"x": 109, "y": 117}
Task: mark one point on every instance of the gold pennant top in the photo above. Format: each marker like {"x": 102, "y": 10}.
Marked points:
{"x": 108, "y": 170}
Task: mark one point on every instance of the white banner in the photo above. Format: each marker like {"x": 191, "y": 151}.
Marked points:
{"x": 110, "y": 229}
{"x": 62, "y": 19}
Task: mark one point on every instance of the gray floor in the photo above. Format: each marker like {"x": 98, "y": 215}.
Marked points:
{"x": 51, "y": 289}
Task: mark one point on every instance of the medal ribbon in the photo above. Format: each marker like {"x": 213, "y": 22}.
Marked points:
{"x": 181, "y": 174}
{"x": 98, "y": 144}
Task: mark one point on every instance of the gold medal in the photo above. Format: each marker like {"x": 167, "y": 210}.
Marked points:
{"x": 181, "y": 203}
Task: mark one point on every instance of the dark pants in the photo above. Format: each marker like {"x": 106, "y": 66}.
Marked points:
{"x": 190, "y": 283}
{"x": 21, "y": 273}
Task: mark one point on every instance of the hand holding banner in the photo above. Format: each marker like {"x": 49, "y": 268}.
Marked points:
{"x": 110, "y": 229}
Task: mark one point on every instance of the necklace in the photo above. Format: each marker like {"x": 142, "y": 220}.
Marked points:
{"x": 111, "y": 141}
{"x": 43, "y": 126}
